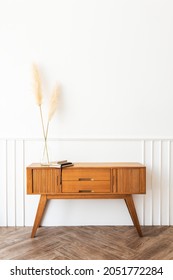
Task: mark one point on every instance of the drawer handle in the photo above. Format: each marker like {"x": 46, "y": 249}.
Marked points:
{"x": 88, "y": 191}
{"x": 86, "y": 179}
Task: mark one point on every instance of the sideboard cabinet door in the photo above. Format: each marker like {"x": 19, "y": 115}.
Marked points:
{"x": 129, "y": 180}
{"x": 43, "y": 181}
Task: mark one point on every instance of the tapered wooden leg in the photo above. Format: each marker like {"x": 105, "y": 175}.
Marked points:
{"x": 131, "y": 207}
{"x": 39, "y": 215}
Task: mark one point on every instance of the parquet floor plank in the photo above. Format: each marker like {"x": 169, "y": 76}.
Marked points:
{"x": 87, "y": 243}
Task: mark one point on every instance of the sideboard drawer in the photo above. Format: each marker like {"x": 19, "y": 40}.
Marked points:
{"x": 86, "y": 180}
{"x": 86, "y": 174}
{"x": 86, "y": 187}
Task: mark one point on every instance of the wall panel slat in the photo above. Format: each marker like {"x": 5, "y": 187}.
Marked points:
{"x": 148, "y": 161}
{"x": 171, "y": 185}
{"x": 164, "y": 194}
{"x": 156, "y": 183}
{"x": 11, "y": 182}
{"x": 19, "y": 176}
{"x": 3, "y": 184}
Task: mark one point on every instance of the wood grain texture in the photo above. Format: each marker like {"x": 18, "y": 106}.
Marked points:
{"x": 95, "y": 165}
{"x": 87, "y": 180}
{"x": 96, "y": 174}
{"x": 39, "y": 214}
{"x": 99, "y": 177}
{"x": 87, "y": 243}
{"x": 133, "y": 214}
{"x": 43, "y": 180}
{"x": 130, "y": 180}
{"x": 88, "y": 186}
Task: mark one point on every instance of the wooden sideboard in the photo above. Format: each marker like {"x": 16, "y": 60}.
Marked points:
{"x": 87, "y": 181}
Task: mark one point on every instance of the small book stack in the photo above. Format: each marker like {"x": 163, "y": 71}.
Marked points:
{"x": 61, "y": 164}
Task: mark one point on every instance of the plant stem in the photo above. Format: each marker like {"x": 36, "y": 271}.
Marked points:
{"x": 44, "y": 134}
{"x": 45, "y": 147}
{"x": 47, "y": 128}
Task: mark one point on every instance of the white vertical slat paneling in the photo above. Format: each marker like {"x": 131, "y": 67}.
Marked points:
{"x": 148, "y": 161}
{"x": 19, "y": 177}
{"x": 3, "y": 190}
{"x": 143, "y": 198}
{"x": 156, "y": 183}
{"x": 171, "y": 185}
{"x": 11, "y": 183}
{"x": 154, "y": 208}
{"x": 164, "y": 194}
{"x": 139, "y": 200}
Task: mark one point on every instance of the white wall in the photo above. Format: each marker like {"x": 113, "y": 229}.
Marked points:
{"x": 114, "y": 61}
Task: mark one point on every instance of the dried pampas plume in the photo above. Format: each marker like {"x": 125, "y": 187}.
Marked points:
{"x": 53, "y": 102}
{"x": 37, "y": 85}
{"x": 52, "y": 106}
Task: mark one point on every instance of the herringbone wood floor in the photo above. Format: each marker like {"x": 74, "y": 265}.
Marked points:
{"x": 87, "y": 242}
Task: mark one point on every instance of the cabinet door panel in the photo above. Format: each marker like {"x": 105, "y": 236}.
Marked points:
{"x": 45, "y": 181}
{"x": 130, "y": 180}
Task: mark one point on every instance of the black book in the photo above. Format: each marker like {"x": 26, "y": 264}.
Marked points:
{"x": 66, "y": 164}
{"x": 61, "y": 164}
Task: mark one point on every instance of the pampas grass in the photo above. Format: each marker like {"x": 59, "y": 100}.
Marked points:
{"x": 37, "y": 85}
{"x": 52, "y": 106}
{"x": 38, "y": 93}
{"x": 53, "y": 102}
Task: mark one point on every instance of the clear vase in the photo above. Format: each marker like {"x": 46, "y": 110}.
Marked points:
{"x": 45, "y": 160}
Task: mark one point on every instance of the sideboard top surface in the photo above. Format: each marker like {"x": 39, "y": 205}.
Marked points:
{"x": 95, "y": 165}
